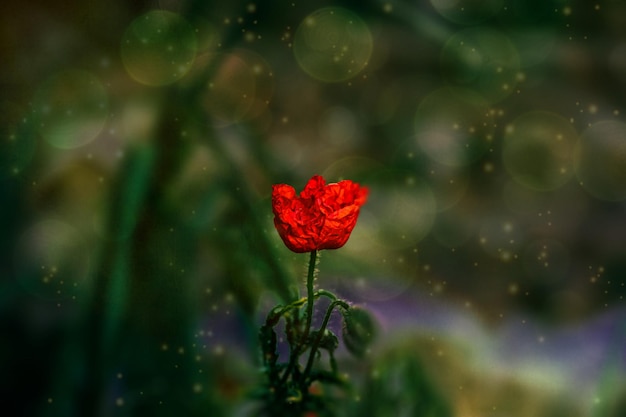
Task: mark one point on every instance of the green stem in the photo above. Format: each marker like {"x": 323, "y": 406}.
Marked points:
{"x": 320, "y": 334}
{"x": 297, "y": 351}
{"x": 309, "y": 296}
{"x": 277, "y": 312}
{"x": 325, "y": 293}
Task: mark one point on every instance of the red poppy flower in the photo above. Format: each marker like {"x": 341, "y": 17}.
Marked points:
{"x": 321, "y": 217}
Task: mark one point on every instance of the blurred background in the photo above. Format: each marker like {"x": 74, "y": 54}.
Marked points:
{"x": 139, "y": 142}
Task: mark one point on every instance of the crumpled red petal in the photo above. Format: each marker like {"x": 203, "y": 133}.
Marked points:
{"x": 321, "y": 217}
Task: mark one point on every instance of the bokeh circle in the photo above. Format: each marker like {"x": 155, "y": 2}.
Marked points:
{"x": 158, "y": 48}
{"x": 52, "y": 259}
{"x": 453, "y": 126}
{"x": 406, "y": 208}
{"x": 332, "y": 44}
{"x": 72, "y": 108}
{"x": 538, "y": 150}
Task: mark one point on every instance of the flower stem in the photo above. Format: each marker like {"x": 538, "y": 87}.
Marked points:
{"x": 320, "y": 334}
{"x": 309, "y": 295}
{"x": 299, "y": 348}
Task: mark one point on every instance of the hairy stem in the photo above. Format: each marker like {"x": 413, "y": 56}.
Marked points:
{"x": 297, "y": 351}
{"x": 320, "y": 334}
{"x": 309, "y": 296}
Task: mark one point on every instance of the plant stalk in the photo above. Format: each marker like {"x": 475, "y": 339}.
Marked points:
{"x": 320, "y": 334}
{"x": 295, "y": 353}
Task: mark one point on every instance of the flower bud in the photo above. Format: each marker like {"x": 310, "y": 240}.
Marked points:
{"x": 359, "y": 330}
